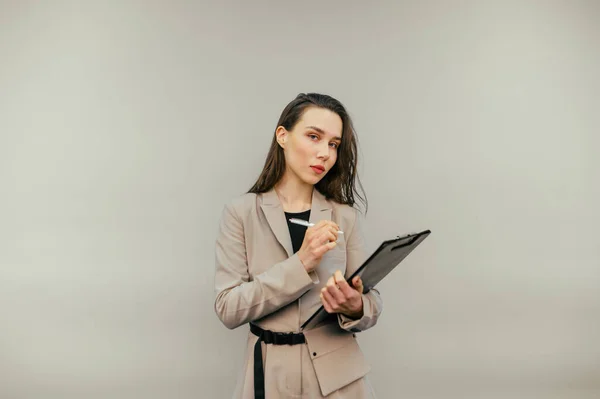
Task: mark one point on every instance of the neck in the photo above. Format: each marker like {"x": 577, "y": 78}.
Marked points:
{"x": 294, "y": 194}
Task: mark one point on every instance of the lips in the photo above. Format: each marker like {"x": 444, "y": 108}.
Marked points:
{"x": 318, "y": 169}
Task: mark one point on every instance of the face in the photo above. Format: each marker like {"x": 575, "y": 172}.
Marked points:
{"x": 311, "y": 147}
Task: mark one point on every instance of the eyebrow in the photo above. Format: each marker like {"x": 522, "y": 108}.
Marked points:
{"x": 318, "y": 129}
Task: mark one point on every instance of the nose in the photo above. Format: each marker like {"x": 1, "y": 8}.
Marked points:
{"x": 323, "y": 152}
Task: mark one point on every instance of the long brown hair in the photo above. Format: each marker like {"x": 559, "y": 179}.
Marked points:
{"x": 339, "y": 184}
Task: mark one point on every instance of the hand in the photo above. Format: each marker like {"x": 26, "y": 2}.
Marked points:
{"x": 339, "y": 297}
{"x": 318, "y": 239}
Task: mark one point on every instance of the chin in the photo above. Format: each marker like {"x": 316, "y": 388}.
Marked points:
{"x": 311, "y": 179}
{"x": 315, "y": 179}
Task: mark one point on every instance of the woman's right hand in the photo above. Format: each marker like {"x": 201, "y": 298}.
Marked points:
{"x": 318, "y": 239}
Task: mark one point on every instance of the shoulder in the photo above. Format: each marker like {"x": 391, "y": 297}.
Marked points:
{"x": 240, "y": 205}
{"x": 234, "y": 213}
{"x": 242, "y": 201}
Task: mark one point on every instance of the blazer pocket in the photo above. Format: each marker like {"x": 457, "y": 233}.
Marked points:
{"x": 336, "y": 357}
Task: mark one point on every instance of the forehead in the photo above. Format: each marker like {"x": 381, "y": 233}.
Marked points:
{"x": 328, "y": 122}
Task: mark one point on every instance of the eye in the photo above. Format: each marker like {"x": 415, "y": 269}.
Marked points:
{"x": 313, "y": 136}
{"x": 334, "y": 145}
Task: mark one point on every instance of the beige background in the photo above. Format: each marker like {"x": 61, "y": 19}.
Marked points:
{"x": 125, "y": 126}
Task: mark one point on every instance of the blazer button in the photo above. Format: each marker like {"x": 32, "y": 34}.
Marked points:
{"x": 314, "y": 353}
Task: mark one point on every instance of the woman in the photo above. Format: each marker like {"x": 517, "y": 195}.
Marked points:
{"x": 274, "y": 274}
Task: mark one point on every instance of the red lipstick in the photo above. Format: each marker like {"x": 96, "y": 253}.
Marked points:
{"x": 318, "y": 169}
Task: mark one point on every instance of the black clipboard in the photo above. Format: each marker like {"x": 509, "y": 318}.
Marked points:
{"x": 385, "y": 259}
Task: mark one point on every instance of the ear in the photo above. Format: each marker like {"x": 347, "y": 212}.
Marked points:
{"x": 281, "y": 134}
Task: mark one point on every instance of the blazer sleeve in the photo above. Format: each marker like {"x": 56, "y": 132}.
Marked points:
{"x": 372, "y": 302}
{"x": 241, "y": 298}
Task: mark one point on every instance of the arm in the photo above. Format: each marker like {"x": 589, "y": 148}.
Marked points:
{"x": 372, "y": 302}
{"x": 240, "y": 298}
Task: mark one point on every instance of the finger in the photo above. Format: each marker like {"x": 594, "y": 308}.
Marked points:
{"x": 312, "y": 231}
{"x": 327, "y": 225}
{"x": 358, "y": 284}
{"x": 324, "y": 248}
{"x": 335, "y": 292}
{"x": 327, "y": 298}
{"x": 334, "y": 225}
{"x": 343, "y": 284}
{"x": 333, "y": 237}
{"x": 330, "y": 281}
{"x": 334, "y": 231}
{"x": 325, "y": 236}
{"x": 321, "y": 225}
{"x": 326, "y": 304}
{"x": 357, "y": 281}
{"x": 326, "y": 222}
{"x": 328, "y": 235}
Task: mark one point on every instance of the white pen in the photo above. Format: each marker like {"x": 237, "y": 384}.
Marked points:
{"x": 307, "y": 224}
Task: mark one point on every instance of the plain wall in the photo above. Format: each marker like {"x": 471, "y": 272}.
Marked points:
{"x": 125, "y": 127}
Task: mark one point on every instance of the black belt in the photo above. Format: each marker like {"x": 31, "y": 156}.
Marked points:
{"x": 268, "y": 337}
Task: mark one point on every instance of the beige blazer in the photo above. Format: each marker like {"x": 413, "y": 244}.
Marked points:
{"x": 259, "y": 279}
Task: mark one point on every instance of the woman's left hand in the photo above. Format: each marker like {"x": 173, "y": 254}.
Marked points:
{"x": 339, "y": 297}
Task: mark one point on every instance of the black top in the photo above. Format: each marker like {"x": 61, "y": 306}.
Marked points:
{"x": 296, "y": 231}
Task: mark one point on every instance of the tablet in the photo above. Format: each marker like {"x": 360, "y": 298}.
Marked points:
{"x": 385, "y": 258}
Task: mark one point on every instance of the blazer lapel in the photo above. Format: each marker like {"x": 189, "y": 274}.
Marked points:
{"x": 320, "y": 208}
{"x": 273, "y": 210}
